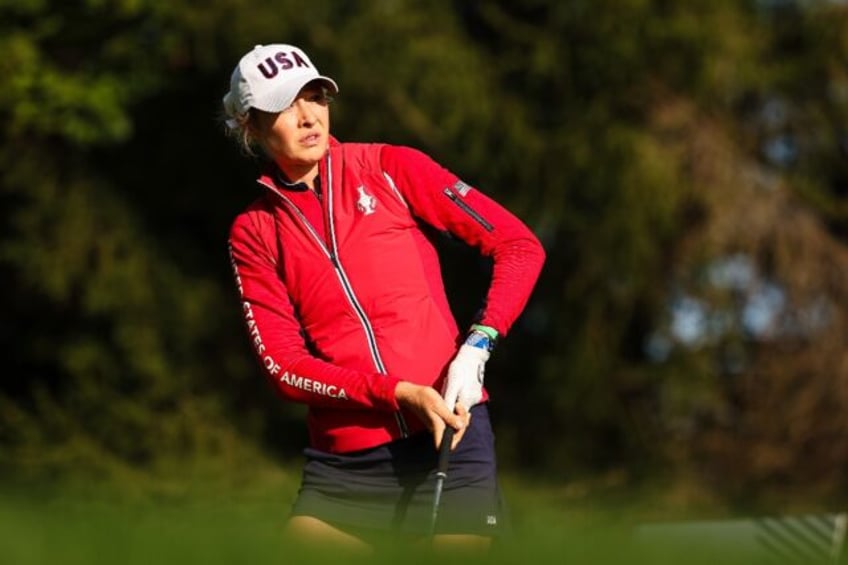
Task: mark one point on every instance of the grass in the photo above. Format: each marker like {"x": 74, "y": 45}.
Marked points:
{"x": 242, "y": 524}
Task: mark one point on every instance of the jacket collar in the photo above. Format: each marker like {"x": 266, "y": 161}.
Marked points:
{"x": 271, "y": 176}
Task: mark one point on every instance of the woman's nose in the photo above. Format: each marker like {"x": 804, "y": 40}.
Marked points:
{"x": 304, "y": 111}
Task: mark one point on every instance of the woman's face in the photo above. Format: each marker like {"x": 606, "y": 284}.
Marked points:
{"x": 297, "y": 138}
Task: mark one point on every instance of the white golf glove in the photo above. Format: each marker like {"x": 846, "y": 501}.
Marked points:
{"x": 464, "y": 383}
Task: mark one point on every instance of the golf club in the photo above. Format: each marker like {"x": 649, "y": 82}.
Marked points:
{"x": 441, "y": 474}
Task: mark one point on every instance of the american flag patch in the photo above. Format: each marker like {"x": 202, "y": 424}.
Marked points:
{"x": 461, "y": 188}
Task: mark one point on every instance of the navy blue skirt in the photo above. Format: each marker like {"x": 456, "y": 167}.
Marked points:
{"x": 390, "y": 488}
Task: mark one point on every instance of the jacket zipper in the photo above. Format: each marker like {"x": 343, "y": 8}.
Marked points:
{"x": 468, "y": 210}
{"x": 332, "y": 254}
{"x": 366, "y": 323}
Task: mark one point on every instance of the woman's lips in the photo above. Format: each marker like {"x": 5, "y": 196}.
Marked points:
{"x": 311, "y": 139}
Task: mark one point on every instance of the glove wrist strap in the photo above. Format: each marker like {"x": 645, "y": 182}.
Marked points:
{"x": 489, "y": 331}
{"x": 480, "y": 340}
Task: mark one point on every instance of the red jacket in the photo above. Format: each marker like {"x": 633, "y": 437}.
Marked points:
{"x": 342, "y": 292}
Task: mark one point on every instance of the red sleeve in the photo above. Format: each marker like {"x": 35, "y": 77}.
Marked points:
{"x": 275, "y": 333}
{"x": 441, "y": 199}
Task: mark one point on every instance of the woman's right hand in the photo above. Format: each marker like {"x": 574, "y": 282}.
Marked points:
{"x": 426, "y": 403}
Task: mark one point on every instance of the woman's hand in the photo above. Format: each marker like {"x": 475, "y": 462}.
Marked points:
{"x": 426, "y": 403}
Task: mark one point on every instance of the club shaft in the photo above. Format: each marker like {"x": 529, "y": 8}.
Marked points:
{"x": 441, "y": 474}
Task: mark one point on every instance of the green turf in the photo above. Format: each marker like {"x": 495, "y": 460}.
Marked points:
{"x": 244, "y": 527}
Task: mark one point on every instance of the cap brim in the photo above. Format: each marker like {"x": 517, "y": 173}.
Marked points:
{"x": 282, "y": 101}
{"x": 326, "y": 80}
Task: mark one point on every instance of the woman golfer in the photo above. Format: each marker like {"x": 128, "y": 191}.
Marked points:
{"x": 345, "y": 308}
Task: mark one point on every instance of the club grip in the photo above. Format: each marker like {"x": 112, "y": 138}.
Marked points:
{"x": 444, "y": 450}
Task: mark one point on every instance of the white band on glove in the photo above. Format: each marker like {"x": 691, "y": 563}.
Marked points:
{"x": 464, "y": 383}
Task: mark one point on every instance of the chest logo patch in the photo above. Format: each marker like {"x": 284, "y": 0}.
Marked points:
{"x": 365, "y": 203}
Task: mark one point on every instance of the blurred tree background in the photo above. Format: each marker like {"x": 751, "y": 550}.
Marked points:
{"x": 684, "y": 163}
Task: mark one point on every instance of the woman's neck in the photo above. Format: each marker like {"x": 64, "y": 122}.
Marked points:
{"x": 297, "y": 174}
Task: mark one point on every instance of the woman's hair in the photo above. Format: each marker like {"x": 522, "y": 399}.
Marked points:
{"x": 240, "y": 128}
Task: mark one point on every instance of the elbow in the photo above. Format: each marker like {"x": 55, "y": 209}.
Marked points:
{"x": 533, "y": 252}
{"x": 540, "y": 252}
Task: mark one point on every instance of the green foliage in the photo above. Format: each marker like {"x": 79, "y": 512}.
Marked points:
{"x": 61, "y": 77}
{"x": 113, "y": 344}
{"x": 120, "y": 372}
{"x": 236, "y": 523}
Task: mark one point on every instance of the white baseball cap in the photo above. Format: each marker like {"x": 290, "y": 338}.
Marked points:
{"x": 269, "y": 78}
